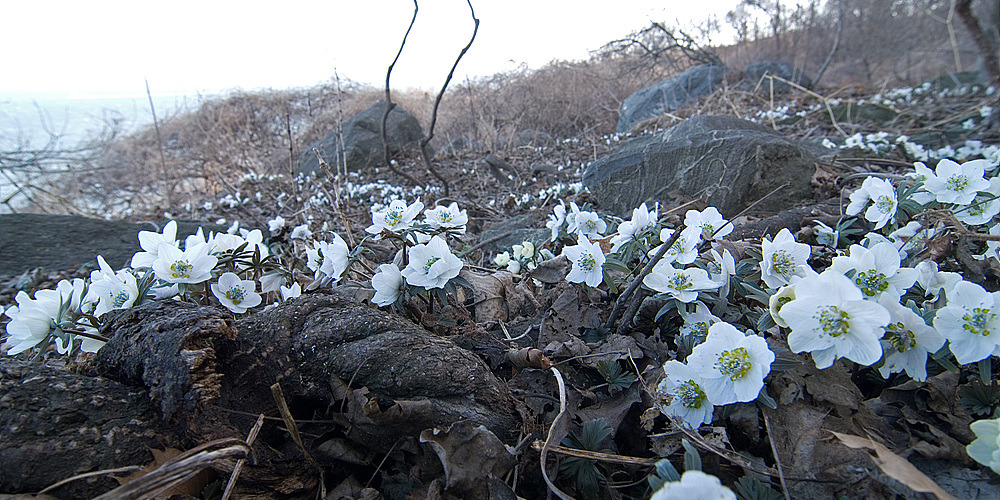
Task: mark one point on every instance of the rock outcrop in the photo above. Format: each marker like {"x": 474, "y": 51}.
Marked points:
{"x": 727, "y": 162}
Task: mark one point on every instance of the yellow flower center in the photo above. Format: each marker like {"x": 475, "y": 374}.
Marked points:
{"x": 735, "y": 364}
{"x": 958, "y": 182}
{"x": 587, "y": 262}
{"x": 782, "y": 263}
{"x": 691, "y": 394}
{"x": 899, "y": 337}
{"x": 871, "y": 282}
{"x": 833, "y": 321}
{"x": 181, "y": 269}
{"x": 236, "y": 294}
{"x": 977, "y": 322}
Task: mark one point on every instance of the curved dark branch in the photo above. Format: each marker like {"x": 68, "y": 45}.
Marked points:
{"x": 437, "y": 102}
{"x": 389, "y": 104}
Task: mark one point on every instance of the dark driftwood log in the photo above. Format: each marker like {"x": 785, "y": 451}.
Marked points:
{"x": 55, "y": 424}
{"x": 346, "y": 371}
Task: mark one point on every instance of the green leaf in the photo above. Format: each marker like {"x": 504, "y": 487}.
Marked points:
{"x": 766, "y": 399}
{"x": 749, "y": 488}
{"x": 666, "y": 471}
{"x": 617, "y": 379}
{"x": 616, "y": 265}
{"x": 692, "y": 460}
{"x": 595, "y": 335}
{"x": 669, "y": 306}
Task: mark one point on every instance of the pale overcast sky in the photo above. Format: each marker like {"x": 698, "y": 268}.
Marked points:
{"x": 103, "y": 47}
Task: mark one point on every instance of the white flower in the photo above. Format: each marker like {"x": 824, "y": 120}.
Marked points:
{"x": 907, "y": 341}
{"x": 934, "y": 281}
{"x": 984, "y": 207}
{"x": 431, "y": 265}
{"x": 922, "y": 174}
{"x": 876, "y": 270}
{"x": 696, "y": 324}
{"x": 301, "y": 232}
{"x": 733, "y": 365}
{"x": 290, "y": 292}
{"x": 276, "y": 224}
{"x": 502, "y": 259}
{"x": 328, "y": 259}
{"x": 883, "y": 197}
{"x": 388, "y": 284}
{"x": 826, "y": 235}
{"x": 255, "y": 239}
{"x": 513, "y": 267}
{"x": 956, "y": 183}
{"x": 34, "y": 319}
{"x": 682, "y": 284}
{"x": 585, "y": 223}
{"x": 193, "y": 265}
{"x": 449, "y": 217}
{"x": 588, "y": 262}
{"x": 687, "y": 398}
{"x": 830, "y": 319}
{"x": 222, "y": 242}
{"x": 235, "y": 294}
{"x": 111, "y": 290}
{"x": 720, "y": 269}
{"x": 642, "y": 219}
{"x": 150, "y": 242}
{"x": 992, "y": 247}
{"x": 694, "y": 485}
{"x": 777, "y": 300}
{"x": 685, "y": 248}
{"x": 783, "y": 259}
{"x": 271, "y": 282}
{"x": 970, "y": 321}
{"x": 524, "y": 251}
{"x": 556, "y": 219}
{"x": 396, "y": 217}
{"x": 710, "y": 222}
{"x": 986, "y": 448}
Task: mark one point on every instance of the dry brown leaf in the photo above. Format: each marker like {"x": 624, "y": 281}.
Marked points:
{"x": 895, "y": 466}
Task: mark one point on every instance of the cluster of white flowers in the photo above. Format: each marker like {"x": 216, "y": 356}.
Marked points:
{"x": 524, "y": 256}
{"x": 430, "y": 262}
{"x": 853, "y": 309}
{"x": 728, "y": 367}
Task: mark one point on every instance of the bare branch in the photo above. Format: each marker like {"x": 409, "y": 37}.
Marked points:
{"x": 389, "y": 104}
{"x": 430, "y": 131}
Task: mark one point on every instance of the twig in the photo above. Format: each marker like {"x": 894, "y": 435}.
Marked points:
{"x": 481, "y": 244}
{"x": 389, "y": 105}
{"x": 239, "y": 463}
{"x": 558, "y": 422}
{"x": 286, "y": 415}
{"x": 159, "y": 141}
{"x": 596, "y": 455}
{"x": 424, "y": 152}
{"x": 130, "y": 468}
{"x": 624, "y": 297}
{"x": 777, "y": 458}
{"x": 178, "y": 469}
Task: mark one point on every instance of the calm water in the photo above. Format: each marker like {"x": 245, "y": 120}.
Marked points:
{"x": 30, "y": 122}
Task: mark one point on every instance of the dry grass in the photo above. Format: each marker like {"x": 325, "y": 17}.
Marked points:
{"x": 207, "y": 150}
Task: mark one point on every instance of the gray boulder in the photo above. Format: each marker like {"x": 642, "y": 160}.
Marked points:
{"x": 727, "y": 162}
{"x": 57, "y": 242}
{"x": 363, "y": 139}
{"x": 755, "y": 71}
{"x": 668, "y": 95}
